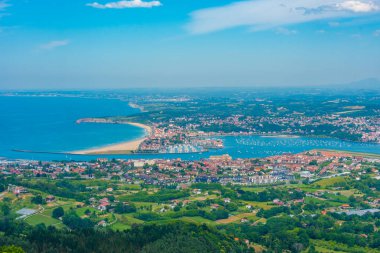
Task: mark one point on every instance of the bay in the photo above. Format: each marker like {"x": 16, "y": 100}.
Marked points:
{"x": 48, "y": 124}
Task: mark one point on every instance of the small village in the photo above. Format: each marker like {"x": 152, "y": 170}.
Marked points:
{"x": 207, "y": 126}
{"x": 121, "y": 192}
{"x": 279, "y": 169}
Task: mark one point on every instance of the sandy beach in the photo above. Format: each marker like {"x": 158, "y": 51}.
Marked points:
{"x": 119, "y": 148}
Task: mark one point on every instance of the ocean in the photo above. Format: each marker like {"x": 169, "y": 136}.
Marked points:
{"x": 48, "y": 124}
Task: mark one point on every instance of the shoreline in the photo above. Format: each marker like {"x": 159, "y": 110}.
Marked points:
{"x": 285, "y": 136}
{"x": 121, "y": 148}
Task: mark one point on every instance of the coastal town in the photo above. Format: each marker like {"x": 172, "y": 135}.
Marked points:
{"x": 200, "y": 134}
{"x": 162, "y": 126}
{"x": 352, "y": 118}
{"x": 363, "y": 129}
{"x": 279, "y": 169}
{"x": 219, "y": 190}
{"x": 256, "y": 169}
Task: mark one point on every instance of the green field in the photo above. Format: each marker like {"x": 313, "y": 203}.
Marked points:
{"x": 40, "y": 218}
{"x": 198, "y": 220}
{"x": 333, "y": 247}
{"x": 253, "y": 189}
{"x": 258, "y": 205}
{"x": 120, "y": 226}
{"x": 329, "y": 181}
{"x": 319, "y": 201}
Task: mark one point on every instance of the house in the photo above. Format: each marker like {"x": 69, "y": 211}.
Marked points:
{"x": 306, "y": 174}
{"x": 278, "y": 202}
{"x": 16, "y": 189}
{"x": 104, "y": 201}
{"x": 197, "y": 191}
{"x": 175, "y": 202}
{"x": 50, "y": 198}
{"x": 227, "y": 200}
{"x": 214, "y": 206}
{"x": 92, "y": 200}
{"x": 103, "y": 206}
{"x": 298, "y": 200}
{"x": 102, "y": 223}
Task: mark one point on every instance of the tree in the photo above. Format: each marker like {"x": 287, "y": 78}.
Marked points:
{"x": 121, "y": 208}
{"x": 5, "y": 209}
{"x": 155, "y": 167}
{"x": 166, "y": 238}
{"x": 73, "y": 221}
{"x": 11, "y": 249}
{"x": 313, "y": 162}
{"x": 39, "y": 200}
{"x": 352, "y": 200}
{"x": 58, "y": 212}
{"x": 312, "y": 249}
{"x": 231, "y": 207}
{"x": 115, "y": 177}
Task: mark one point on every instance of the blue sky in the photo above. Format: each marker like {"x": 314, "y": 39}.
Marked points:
{"x": 62, "y": 44}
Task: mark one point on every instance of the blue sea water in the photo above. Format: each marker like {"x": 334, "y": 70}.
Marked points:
{"x": 48, "y": 124}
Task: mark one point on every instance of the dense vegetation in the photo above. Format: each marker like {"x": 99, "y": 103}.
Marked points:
{"x": 296, "y": 233}
{"x": 172, "y": 237}
{"x": 160, "y": 219}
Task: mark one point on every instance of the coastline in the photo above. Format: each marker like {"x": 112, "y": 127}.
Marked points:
{"x": 127, "y": 147}
{"x": 280, "y": 136}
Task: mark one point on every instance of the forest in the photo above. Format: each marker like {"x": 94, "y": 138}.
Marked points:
{"x": 171, "y": 238}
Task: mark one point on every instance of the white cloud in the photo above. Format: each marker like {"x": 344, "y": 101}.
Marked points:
{"x": 268, "y": 14}
{"x": 54, "y": 44}
{"x": 126, "y": 4}
{"x": 376, "y": 33}
{"x": 358, "y": 6}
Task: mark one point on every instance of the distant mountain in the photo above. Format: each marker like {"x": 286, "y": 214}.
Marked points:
{"x": 365, "y": 84}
